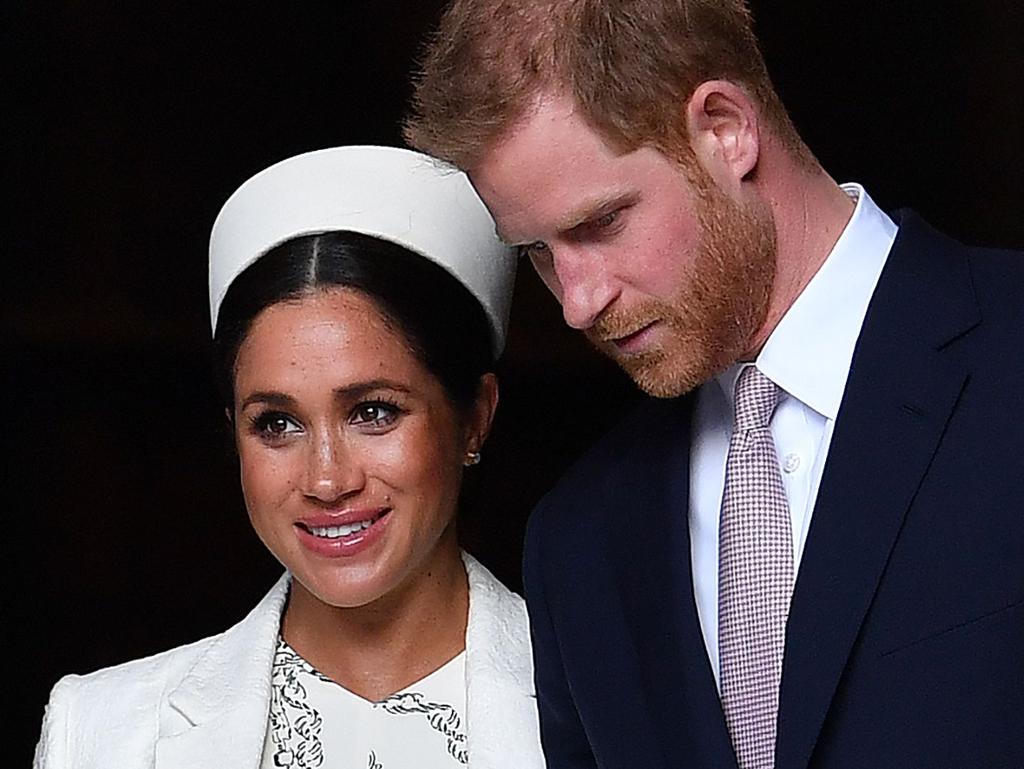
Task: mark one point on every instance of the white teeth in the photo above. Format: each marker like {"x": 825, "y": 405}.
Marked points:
{"x": 332, "y": 532}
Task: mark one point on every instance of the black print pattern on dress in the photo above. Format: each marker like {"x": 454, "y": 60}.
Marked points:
{"x": 296, "y": 726}
{"x": 442, "y": 718}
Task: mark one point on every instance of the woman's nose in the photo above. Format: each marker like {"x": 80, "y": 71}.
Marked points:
{"x": 333, "y": 470}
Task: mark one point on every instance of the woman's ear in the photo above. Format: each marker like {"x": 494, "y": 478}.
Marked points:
{"x": 723, "y": 125}
{"x": 482, "y": 416}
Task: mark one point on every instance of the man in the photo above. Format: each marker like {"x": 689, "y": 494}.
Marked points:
{"x": 809, "y": 551}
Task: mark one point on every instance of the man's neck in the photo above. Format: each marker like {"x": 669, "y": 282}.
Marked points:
{"x": 810, "y": 212}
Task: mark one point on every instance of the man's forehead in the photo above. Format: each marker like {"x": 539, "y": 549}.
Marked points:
{"x": 545, "y": 126}
{"x": 551, "y": 167}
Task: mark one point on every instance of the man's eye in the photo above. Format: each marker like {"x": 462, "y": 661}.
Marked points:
{"x": 375, "y": 414}
{"x": 606, "y": 220}
{"x": 535, "y": 252}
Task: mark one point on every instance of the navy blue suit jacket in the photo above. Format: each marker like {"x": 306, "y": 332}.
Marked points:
{"x": 905, "y": 639}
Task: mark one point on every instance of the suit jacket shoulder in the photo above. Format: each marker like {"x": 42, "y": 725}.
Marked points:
{"x": 998, "y": 281}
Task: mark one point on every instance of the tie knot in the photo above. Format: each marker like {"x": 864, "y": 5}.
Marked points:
{"x": 756, "y": 398}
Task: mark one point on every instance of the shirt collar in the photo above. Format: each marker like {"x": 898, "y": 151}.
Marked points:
{"x": 808, "y": 354}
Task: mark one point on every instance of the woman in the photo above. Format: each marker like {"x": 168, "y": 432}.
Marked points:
{"x": 359, "y": 298}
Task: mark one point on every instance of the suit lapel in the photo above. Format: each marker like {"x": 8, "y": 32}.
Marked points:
{"x": 900, "y": 394}
{"x": 657, "y": 594}
{"x": 217, "y": 714}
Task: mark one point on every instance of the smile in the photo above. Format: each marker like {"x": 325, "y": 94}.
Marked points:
{"x": 331, "y": 538}
{"x": 338, "y": 530}
{"x": 333, "y": 532}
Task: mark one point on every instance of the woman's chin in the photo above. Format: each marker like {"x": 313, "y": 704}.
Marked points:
{"x": 349, "y": 591}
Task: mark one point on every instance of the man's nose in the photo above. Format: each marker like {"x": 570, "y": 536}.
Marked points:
{"x": 584, "y": 286}
{"x": 333, "y": 470}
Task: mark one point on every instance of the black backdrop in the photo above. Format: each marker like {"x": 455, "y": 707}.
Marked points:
{"x": 127, "y": 128}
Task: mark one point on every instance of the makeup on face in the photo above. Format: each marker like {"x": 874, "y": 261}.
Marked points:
{"x": 350, "y": 449}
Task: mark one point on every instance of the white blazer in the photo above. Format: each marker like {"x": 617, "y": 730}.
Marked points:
{"x": 206, "y": 704}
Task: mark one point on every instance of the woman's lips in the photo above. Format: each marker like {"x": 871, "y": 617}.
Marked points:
{"x": 343, "y": 535}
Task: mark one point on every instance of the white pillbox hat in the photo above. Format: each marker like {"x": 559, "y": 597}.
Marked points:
{"x": 394, "y": 194}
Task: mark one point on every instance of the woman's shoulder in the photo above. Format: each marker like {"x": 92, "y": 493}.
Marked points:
{"x": 118, "y": 709}
{"x": 119, "y": 698}
{"x": 135, "y": 674}
{"x": 132, "y": 680}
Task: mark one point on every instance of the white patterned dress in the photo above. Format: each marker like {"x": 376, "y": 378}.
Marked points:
{"x": 315, "y": 723}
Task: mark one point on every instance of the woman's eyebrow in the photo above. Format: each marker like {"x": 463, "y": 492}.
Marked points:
{"x": 349, "y": 392}
{"x": 360, "y": 389}
{"x": 279, "y": 400}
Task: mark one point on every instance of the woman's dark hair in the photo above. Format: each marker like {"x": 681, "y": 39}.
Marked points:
{"x": 442, "y": 321}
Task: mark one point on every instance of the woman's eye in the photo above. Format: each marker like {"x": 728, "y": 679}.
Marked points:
{"x": 275, "y": 425}
{"x": 375, "y": 414}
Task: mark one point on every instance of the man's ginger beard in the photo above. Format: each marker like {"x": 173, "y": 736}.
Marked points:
{"x": 716, "y": 312}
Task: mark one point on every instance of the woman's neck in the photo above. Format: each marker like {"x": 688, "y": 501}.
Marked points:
{"x": 381, "y": 648}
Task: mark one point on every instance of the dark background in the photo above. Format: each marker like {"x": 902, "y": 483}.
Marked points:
{"x": 128, "y": 128}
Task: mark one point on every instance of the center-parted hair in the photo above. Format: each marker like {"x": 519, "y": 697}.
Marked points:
{"x": 630, "y": 66}
{"x": 443, "y": 324}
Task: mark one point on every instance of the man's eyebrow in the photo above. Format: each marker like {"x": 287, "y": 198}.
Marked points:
{"x": 589, "y": 209}
{"x": 594, "y": 208}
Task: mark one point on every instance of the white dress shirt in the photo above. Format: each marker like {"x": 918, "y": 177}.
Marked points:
{"x": 808, "y": 356}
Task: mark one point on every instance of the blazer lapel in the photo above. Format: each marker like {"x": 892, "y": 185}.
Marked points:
{"x": 900, "y": 394}
{"x": 217, "y": 715}
{"x": 501, "y": 707}
{"x": 657, "y": 593}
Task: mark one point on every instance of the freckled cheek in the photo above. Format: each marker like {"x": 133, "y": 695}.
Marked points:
{"x": 419, "y": 465}
{"x": 268, "y": 479}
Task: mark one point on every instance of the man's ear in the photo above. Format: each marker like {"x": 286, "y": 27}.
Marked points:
{"x": 723, "y": 125}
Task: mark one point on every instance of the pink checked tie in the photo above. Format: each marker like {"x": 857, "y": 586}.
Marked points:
{"x": 755, "y": 575}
